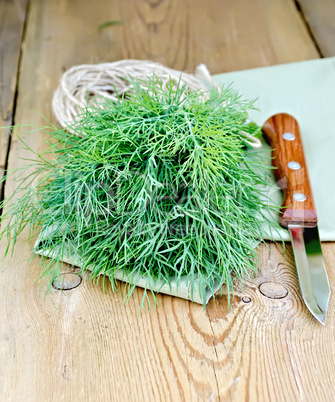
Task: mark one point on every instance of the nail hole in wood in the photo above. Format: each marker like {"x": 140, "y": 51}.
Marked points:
{"x": 273, "y": 290}
{"x": 67, "y": 281}
{"x": 246, "y": 299}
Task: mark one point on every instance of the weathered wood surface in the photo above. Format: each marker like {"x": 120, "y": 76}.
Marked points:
{"x": 320, "y": 17}
{"x": 12, "y": 17}
{"x": 91, "y": 347}
{"x": 226, "y": 35}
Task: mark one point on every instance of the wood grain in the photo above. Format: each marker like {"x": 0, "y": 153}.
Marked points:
{"x": 12, "y": 17}
{"x": 320, "y": 17}
{"x": 87, "y": 345}
{"x": 291, "y": 181}
{"x": 225, "y": 35}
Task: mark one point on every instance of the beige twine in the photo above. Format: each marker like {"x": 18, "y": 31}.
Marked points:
{"x": 81, "y": 84}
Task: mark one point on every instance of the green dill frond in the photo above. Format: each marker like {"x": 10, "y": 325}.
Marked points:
{"x": 160, "y": 184}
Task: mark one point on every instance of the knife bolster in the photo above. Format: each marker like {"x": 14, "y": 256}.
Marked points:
{"x": 295, "y": 217}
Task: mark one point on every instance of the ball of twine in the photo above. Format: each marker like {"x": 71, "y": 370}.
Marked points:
{"x": 81, "y": 85}
{"x": 84, "y": 84}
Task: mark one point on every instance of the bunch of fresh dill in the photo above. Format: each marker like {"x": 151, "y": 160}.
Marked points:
{"x": 160, "y": 184}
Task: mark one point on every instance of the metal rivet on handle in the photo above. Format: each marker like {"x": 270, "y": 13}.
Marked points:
{"x": 299, "y": 197}
{"x": 289, "y": 136}
{"x": 294, "y": 165}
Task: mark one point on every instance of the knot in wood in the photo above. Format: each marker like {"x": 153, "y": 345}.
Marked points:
{"x": 273, "y": 290}
{"x": 67, "y": 281}
{"x": 246, "y": 299}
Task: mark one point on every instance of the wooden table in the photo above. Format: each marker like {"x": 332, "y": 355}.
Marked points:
{"x": 88, "y": 345}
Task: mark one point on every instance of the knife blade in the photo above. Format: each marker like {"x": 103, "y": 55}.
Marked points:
{"x": 298, "y": 212}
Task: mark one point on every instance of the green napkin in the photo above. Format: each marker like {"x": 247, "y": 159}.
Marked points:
{"x": 305, "y": 90}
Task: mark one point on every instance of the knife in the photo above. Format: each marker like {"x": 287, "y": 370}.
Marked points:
{"x": 298, "y": 213}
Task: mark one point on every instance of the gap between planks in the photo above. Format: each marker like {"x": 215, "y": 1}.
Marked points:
{"x": 23, "y": 10}
{"x": 308, "y": 27}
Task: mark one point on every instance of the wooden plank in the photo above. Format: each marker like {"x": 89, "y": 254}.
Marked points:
{"x": 226, "y": 35}
{"x": 320, "y": 17}
{"x": 91, "y": 347}
{"x": 12, "y": 17}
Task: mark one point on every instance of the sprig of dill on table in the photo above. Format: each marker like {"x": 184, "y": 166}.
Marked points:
{"x": 160, "y": 184}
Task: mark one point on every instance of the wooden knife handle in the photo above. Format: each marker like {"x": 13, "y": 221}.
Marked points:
{"x": 282, "y": 131}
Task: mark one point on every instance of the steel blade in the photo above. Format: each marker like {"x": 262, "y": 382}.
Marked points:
{"x": 312, "y": 274}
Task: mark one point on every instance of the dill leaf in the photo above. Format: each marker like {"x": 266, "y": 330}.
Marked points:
{"x": 160, "y": 184}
